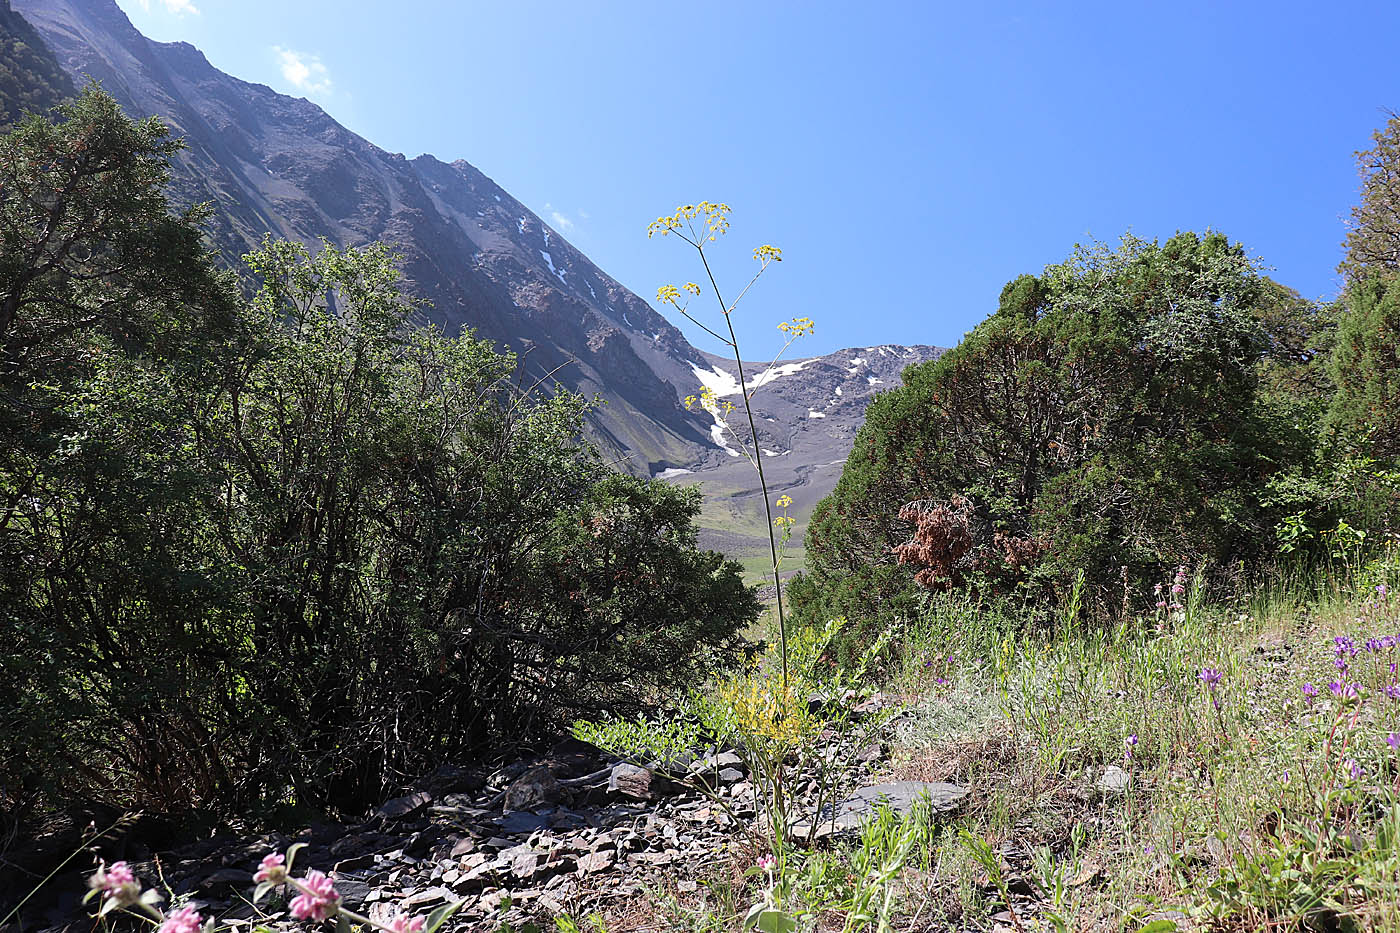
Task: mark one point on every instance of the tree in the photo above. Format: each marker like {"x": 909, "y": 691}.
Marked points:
{"x": 1105, "y": 416}
{"x": 1366, "y": 367}
{"x": 293, "y": 547}
{"x": 1373, "y": 242}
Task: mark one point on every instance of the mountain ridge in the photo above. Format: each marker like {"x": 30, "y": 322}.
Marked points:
{"x": 483, "y": 260}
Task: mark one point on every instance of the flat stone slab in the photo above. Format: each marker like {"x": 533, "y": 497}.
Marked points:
{"x": 900, "y": 796}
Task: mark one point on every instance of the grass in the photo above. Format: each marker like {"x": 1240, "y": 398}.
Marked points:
{"x": 1248, "y": 804}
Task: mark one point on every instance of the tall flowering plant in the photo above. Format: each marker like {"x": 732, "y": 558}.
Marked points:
{"x": 700, "y": 225}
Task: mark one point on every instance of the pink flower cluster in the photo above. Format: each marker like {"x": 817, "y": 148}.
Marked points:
{"x": 116, "y": 881}
{"x": 318, "y": 899}
{"x": 272, "y": 869}
{"x": 404, "y": 924}
{"x": 184, "y": 920}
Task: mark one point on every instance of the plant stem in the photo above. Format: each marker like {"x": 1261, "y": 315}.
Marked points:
{"x": 757, "y": 462}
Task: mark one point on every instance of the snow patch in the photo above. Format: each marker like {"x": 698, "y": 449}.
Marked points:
{"x": 497, "y": 197}
{"x": 716, "y": 380}
{"x": 717, "y": 435}
{"x": 776, "y": 453}
{"x": 673, "y": 471}
{"x": 873, "y": 381}
{"x": 549, "y": 260}
{"x": 521, "y": 224}
{"x": 545, "y": 231}
{"x": 813, "y": 413}
{"x": 838, "y": 391}
{"x": 590, "y": 288}
{"x": 856, "y": 363}
{"x": 777, "y": 372}
{"x": 625, "y": 319}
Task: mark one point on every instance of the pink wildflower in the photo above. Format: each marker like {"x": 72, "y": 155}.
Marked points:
{"x": 184, "y": 920}
{"x": 318, "y": 899}
{"x": 272, "y": 869}
{"x": 767, "y": 863}
{"x": 405, "y": 924}
{"x": 116, "y": 881}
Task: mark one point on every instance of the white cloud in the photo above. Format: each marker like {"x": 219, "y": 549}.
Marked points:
{"x": 305, "y": 72}
{"x": 561, "y": 222}
{"x": 178, "y": 7}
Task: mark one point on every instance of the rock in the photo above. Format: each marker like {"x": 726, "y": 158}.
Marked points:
{"x": 352, "y": 893}
{"x": 725, "y": 760}
{"x": 900, "y": 796}
{"x": 464, "y": 846}
{"x": 426, "y": 898}
{"x": 535, "y": 789}
{"x": 871, "y": 753}
{"x": 227, "y": 876}
{"x": 1114, "y": 780}
{"x": 401, "y": 808}
{"x": 637, "y": 783}
{"x": 346, "y": 845}
{"x": 358, "y": 863}
{"x": 520, "y": 822}
{"x": 731, "y": 776}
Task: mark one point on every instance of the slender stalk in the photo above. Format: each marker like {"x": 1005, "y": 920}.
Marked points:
{"x": 757, "y": 462}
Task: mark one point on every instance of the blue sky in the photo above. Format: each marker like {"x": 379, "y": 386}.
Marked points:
{"x": 909, "y": 158}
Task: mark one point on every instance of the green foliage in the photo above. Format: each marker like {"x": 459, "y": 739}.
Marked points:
{"x": 291, "y": 549}
{"x": 642, "y": 740}
{"x": 1366, "y": 368}
{"x": 1373, "y": 242}
{"x": 31, "y": 80}
{"x": 1105, "y": 416}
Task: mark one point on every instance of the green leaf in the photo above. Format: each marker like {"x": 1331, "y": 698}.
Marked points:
{"x": 261, "y": 890}
{"x": 775, "y": 921}
{"x": 292, "y": 853}
{"x": 1160, "y": 926}
{"x": 440, "y": 916}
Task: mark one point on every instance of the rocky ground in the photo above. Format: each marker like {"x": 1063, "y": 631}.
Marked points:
{"x": 568, "y": 832}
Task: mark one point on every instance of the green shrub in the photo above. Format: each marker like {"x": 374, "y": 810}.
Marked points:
{"x": 293, "y": 549}
{"x": 1106, "y": 416}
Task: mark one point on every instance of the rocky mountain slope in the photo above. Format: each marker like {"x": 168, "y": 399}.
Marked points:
{"x": 278, "y": 164}
{"x": 30, "y": 78}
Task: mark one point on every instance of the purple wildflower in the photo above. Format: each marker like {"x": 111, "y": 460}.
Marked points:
{"x": 1393, "y": 740}
{"x": 1309, "y": 691}
{"x": 1210, "y": 677}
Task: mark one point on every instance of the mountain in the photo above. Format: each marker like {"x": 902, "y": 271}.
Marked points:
{"x": 278, "y": 164}
{"x": 30, "y": 77}
{"x": 807, "y": 414}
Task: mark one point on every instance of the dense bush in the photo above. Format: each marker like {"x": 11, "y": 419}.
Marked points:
{"x": 1107, "y": 416}
{"x": 290, "y": 549}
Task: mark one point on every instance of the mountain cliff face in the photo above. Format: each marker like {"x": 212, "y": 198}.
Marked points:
{"x": 30, "y": 77}
{"x": 280, "y": 165}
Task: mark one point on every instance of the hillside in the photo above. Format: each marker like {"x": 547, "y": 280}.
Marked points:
{"x": 281, "y": 165}
{"x": 30, "y": 77}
